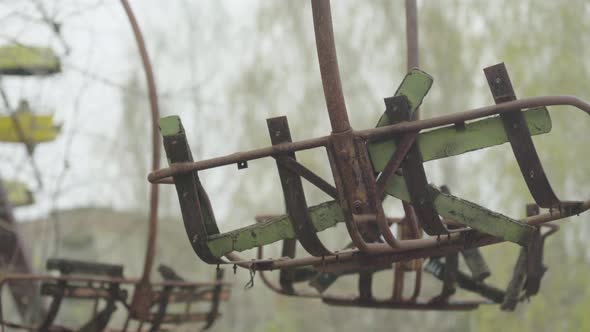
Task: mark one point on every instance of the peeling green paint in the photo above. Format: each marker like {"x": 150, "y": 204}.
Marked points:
{"x": 451, "y": 141}
{"x": 170, "y": 125}
{"x": 323, "y": 216}
{"x": 468, "y": 213}
{"x": 414, "y": 86}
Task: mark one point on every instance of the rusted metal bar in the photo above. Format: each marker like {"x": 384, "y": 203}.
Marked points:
{"x": 64, "y": 286}
{"x": 140, "y": 305}
{"x": 390, "y": 304}
{"x": 295, "y": 167}
{"x": 395, "y": 161}
{"x": 162, "y": 306}
{"x": 192, "y": 197}
{"x": 535, "y": 267}
{"x": 350, "y": 172}
{"x": 437, "y": 268}
{"x": 412, "y": 38}
{"x": 100, "y": 321}
{"x": 415, "y": 176}
{"x": 388, "y": 132}
{"x": 70, "y": 266}
{"x": 231, "y": 159}
{"x": 296, "y": 205}
{"x": 326, "y": 47}
{"x": 421, "y": 248}
{"x": 520, "y": 138}
{"x": 365, "y": 283}
{"x": 54, "y": 306}
{"x": 214, "y": 311}
{"x": 472, "y": 257}
{"x": 375, "y": 134}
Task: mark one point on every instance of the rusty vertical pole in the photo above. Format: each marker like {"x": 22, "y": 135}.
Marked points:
{"x": 326, "y": 47}
{"x": 410, "y": 225}
{"x": 412, "y": 39}
{"x": 141, "y": 296}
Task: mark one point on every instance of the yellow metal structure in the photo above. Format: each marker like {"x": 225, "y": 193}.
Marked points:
{"x": 35, "y": 128}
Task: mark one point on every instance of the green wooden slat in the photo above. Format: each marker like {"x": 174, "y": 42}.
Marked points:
{"x": 329, "y": 214}
{"x": 172, "y": 126}
{"x": 468, "y": 213}
{"x": 414, "y": 86}
{"x": 323, "y": 216}
{"x": 451, "y": 141}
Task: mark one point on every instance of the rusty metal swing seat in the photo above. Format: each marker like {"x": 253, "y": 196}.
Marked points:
{"x": 368, "y": 165}
{"x": 98, "y": 282}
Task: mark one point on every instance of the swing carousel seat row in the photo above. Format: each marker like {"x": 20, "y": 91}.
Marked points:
{"x": 367, "y": 166}
{"x": 98, "y": 282}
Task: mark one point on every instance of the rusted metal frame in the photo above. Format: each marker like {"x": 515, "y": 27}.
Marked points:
{"x": 372, "y": 135}
{"x": 162, "y": 174}
{"x": 158, "y": 317}
{"x": 54, "y": 306}
{"x": 521, "y": 269}
{"x": 390, "y": 304}
{"x": 472, "y": 257}
{"x": 191, "y": 196}
{"x": 82, "y": 292}
{"x": 123, "y": 281}
{"x": 365, "y": 283}
{"x": 395, "y": 161}
{"x": 398, "y": 282}
{"x": 520, "y": 138}
{"x": 407, "y": 231}
{"x": 516, "y": 284}
{"x": 7, "y": 279}
{"x": 451, "y": 268}
{"x": 100, "y": 321}
{"x": 294, "y": 195}
{"x": 449, "y": 278}
{"x": 328, "y": 61}
{"x": 438, "y": 270}
{"x": 280, "y": 289}
{"x": 214, "y": 311}
{"x": 415, "y": 176}
{"x": 412, "y": 36}
{"x": 287, "y": 276}
{"x": 529, "y": 268}
{"x": 342, "y": 150}
{"x": 391, "y": 131}
{"x": 70, "y": 266}
{"x": 535, "y": 267}
{"x": 294, "y": 166}
{"x": 476, "y": 264}
{"x": 353, "y": 259}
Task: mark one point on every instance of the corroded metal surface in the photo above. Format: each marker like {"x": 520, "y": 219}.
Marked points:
{"x": 367, "y": 166}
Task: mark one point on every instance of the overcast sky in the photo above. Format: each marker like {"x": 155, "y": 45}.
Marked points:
{"x": 86, "y": 96}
